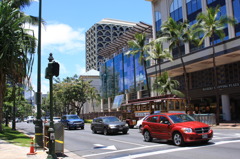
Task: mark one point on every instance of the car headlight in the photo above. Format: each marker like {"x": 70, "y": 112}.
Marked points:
{"x": 126, "y": 124}
{"x": 112, "y": 126}
{"x": 187, "y": 130}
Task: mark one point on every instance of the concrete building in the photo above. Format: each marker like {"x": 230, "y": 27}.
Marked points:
{"x": 92, "y": 76}
{"x": 199, "y": 63}
{"x": 99, "y": 36}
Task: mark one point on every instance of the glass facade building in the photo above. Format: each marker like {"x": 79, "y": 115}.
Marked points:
{"x": 121, "y": 74}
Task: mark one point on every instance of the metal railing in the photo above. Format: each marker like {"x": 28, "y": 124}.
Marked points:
{"x": 209, "y": 119}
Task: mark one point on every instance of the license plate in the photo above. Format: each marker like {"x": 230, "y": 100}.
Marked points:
{"x": 120, "y": 128}
{"x": 204, "y": 136}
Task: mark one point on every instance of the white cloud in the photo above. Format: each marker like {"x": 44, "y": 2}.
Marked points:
{"x": 61, "y": 38}
{"x": 79, "y": 69}
{"x": 63, "y": 69}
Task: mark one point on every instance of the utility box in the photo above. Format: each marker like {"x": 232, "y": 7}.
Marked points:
{"x": 59, "y": 137}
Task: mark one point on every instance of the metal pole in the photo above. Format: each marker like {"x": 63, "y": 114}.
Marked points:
{"x": 38, "y": 122}
{"x": 51, "y": 154}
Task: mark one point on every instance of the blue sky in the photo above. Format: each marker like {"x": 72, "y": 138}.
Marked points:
{"x": 66, "y": 24}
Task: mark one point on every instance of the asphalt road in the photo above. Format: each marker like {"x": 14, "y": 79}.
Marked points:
{"x": 225, "y": 145}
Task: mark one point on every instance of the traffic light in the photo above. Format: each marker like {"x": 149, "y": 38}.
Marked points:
{"x": 55, "y": 68}
{"x": 52, "y": 69}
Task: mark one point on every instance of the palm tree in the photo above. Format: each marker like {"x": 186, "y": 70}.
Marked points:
{"x": 164, "y": 85}
{"x": 93, "y": 95}
{"x": 16, "y": 48}
{"x": 210, "y": 25}
{"x": 138, "y": 46}
{"x": 178, "y": 33}
{"x": 157, "y": 53}
{"x": 21, "y": 4}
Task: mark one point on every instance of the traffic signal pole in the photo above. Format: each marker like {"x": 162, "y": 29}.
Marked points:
{"x": 51, "y": 70}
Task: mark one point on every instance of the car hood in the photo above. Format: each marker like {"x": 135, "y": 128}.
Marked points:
{"x": 192, "y": 124}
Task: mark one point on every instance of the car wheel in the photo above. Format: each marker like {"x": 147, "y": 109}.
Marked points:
{"x": 105, "y": 131}
{"x": 147, "y": 136}
{"x": 178, "y": 139}
{"x": 82, "y": 127}
{"x": 93, "y": 130}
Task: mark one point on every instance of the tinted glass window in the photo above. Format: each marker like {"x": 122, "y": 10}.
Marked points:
{"x": 110, "y": 119}
{"x": 153, "y": 119}
{"x": 163, "y": 120}
{"x": 73, "y": 117}
{"x": 180, "y": 118}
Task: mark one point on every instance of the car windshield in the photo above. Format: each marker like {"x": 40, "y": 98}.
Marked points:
{"x": 56, "y": 118}
{"x": 180, "y": 118}
{"x": 110, "y": 119}
{"x": 73, "y": 117}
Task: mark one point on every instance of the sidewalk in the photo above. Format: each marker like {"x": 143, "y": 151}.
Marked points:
{"x": 227, "y": 126}
{"x": 11, "y": 151}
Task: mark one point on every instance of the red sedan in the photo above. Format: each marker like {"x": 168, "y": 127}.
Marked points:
{"x": 178, "y": 127}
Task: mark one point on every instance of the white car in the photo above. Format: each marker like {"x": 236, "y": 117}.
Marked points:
{"x": 139, "y": 123}
{"x": 56, "y": 119}
{"x": 30, "y": 119}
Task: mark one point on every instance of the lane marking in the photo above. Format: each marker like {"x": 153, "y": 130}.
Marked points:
{"x": 127, "y": 142}
{"x": 132, "y": 149}
{"x": 99, "y": 146}
{"x": 172, "y": 150}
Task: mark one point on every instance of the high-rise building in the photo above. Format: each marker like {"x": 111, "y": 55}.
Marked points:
{"x": 99, "y": 36}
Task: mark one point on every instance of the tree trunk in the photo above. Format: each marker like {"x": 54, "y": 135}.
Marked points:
{"x": 14, "y": 108}
{"x": 2, "y": 85}
{"x": 145, "y": 69}
{"x": 185, "y": 79}
{"x": 215, "y": 83}
{"x": 93, "y": 106}
{"x": 156, "y": 73}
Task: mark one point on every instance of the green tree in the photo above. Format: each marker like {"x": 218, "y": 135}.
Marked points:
{"x": 138, "y": 46}
{"x": 178, "y": 33}
{"x": 16, "y": 46}
{"x": 210, "y": 25}
{"x": 165, "y": 85}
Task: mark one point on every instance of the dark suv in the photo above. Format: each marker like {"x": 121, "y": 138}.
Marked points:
{"x": 108, "y": 125}
{"x": 178, "y": 127}
{"x": 72, "y": 121}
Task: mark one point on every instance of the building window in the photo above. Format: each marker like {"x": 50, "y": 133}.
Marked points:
{"x": 236, "y": 6}
{"x": 176, "y": 10}
{"x": 99, "y": 28}
{"x": 194, "y": 7}
{"x": 158, "y": 21}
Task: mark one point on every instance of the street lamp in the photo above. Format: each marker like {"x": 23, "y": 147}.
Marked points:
{"x": 51, "y": 70}
{"x": 38, "y": 122}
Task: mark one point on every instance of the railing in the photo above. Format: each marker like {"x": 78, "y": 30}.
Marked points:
{"x": 209, "y": 119}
